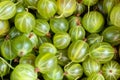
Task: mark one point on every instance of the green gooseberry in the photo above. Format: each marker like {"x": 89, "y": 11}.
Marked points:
{"x": 61, "y": 40}
{"x": 91, "y": 66}
{"x": 56, "y": 74}
{"x": 93, "y": 22}
{"x": 47, "y": 8}
{"x": 73, "y": 71}
{"x": 101, "y": 52}
{"x": 111, "y": 70}
{"x": 23, "y": 72}
{"x": 78, "y": 51}
{"x": 4, "y": 27}
{"x": 7, "y": 50}
{"x": 66, "y": 7}
{"x": 21, "y": 45}
{"x": 45, "y": 63}
{"x": 42, "y": 27}
{"x": 7, "y": 10}
{"x": 24, "y": 22}
{"x": 59, "y": 25}
{"x": 28, "y": 59}
{"x": 47, "y": 48}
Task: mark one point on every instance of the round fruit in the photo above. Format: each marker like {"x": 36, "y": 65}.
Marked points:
{"x": 4, "y": 27}
{"x": 94, "y": 38}
{"x": 59, "y": 25}
{"x": 114, "y": 15}
{"x": 21, "y": 45}
{"x": 7, "y": 10}
{"x": 24, "y": 22}
{"x": 23, "y": 72}
{"x": 111, "y": 70}
{"x": 56, "y": 74}
{"x": 101, "y": 52}
{"x": 93, "y": 21}
{"x": 7, "y": 50}
{"x": 77, "y": 33}
{"x": 28, "y": 59}
{"x": 47, "y": 8}
{"x": 66, "y": 7}
{"x": 45, "y": 63}
{"x": 111, "y": 34}
{"x": 47, "y": 48}
{"x": 42, "y": 27}
{"x": 90, "y": 66}
{"x": 73, "y": 71}
{"x": 77, "y": 51}
{"x": 61, "y": 40}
